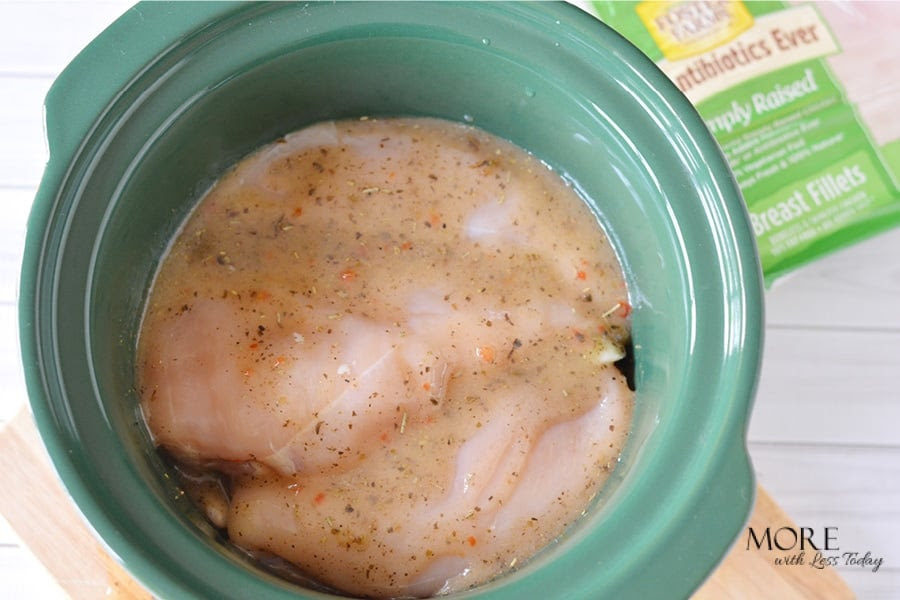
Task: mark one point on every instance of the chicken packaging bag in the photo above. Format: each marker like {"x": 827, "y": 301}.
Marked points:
{"x": 803, "y": 100}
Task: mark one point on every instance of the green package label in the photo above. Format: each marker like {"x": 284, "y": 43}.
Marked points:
{"x": 803, "y": 213}
{"x": 813, "y": 177}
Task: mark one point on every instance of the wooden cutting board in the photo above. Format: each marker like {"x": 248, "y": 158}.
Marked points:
{"x": 41, "y": 513}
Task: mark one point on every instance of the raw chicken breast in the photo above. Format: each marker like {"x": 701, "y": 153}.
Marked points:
{"x": 420, "y": 527}
{"x": 392, "y": 341}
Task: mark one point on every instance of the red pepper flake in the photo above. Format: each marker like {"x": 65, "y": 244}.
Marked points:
{"x": 485, "y": 353}
{"x": 254, "y": 345}
{"x": 472, "y": 541}
{"x": 621, "y": 307}
{"x": 348, "y": 275}
{"x": 406, "y": 246}
{"x": 279, "y": 360}
{"x": 320, "y": 498}
{"x": 298, "y": 211}
{"x": 426, "y": 386}
{"x": 581, "y": 275}
{"x": 384, "y": 437}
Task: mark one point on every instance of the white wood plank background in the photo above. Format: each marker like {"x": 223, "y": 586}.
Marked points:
{"x": 824, "y": 432}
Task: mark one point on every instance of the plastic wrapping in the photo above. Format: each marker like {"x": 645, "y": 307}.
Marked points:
{"x": 802, "y": 100}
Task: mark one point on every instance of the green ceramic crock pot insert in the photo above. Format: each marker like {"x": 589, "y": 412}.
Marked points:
{"x": 147, "y": 116}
